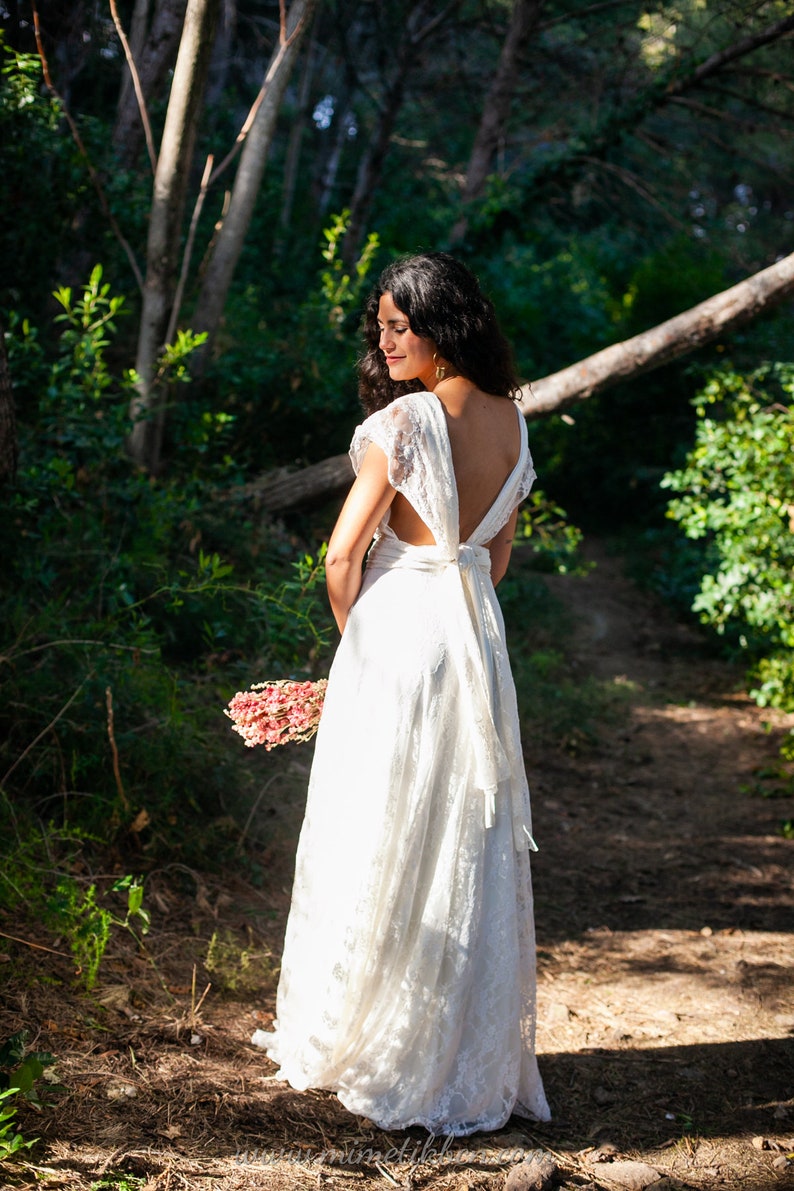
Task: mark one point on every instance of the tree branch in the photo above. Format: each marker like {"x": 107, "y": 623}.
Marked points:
{"x": 618, "y": 124}
{"x": 642, "y": 353}
{"x": 631, "y": 180}
{"x": 666, "y": 342}
{"x": 421, "y": 34}
{"x": 759, "y": 73}
{"x": 738, "y": 50}
{"x": 187, "y": 254}
{"x": 78, "y": 140}
{"x": 579, "y": 13}
{"x": 136, "y": 82}
{"x": 748, "y": 101}
{"x": 285, "y": 41}
{"x": 742, "y": 122}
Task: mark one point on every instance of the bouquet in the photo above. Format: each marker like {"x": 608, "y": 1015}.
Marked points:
{"x": 272, "y": 713}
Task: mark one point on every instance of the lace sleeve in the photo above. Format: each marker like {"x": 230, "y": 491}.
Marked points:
{"x": 396, "y": 430}
{"x": 526, "y": 480}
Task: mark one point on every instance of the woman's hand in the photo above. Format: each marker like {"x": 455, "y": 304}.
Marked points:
{"x": 367, "y": 501}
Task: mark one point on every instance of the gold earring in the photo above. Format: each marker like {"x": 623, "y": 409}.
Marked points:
{"x": 441, "y": 371}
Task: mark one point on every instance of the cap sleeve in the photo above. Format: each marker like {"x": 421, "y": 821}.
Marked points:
{"x": 527, "y": 474}
{"x": 526, "y": 479}
{"x": 396, "y": 430}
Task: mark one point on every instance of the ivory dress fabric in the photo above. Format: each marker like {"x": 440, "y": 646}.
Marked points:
{"x": 408, "y": 976}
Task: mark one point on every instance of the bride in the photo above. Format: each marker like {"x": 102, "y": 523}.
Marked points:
{"x": 408, "y": 977}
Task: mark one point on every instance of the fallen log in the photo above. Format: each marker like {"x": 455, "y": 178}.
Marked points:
{"x": 668, "y": 341}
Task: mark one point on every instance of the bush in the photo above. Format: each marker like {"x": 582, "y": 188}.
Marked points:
{"x": 131, "y": 608}
{"x": 287, "y": 374}
{"x": 20, "y": 1069}
{"x": 737, "y": 497}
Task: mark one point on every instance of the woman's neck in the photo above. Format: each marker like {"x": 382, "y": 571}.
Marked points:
{"x": 454, "y": 392}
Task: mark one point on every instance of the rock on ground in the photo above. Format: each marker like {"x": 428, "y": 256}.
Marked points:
{"x": 634, "y": 1176}
{"x": 537, "y": 1173}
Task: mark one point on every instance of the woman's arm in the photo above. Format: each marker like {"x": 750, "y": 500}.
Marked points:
{"x": 501, "y": 547}
{"x": 367, "y": 501}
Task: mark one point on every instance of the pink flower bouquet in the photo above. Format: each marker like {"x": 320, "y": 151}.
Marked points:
{"x": 274, "y": 713}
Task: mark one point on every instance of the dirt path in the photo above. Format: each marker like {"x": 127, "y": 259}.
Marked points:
{"x": 665, "y": 910}
{"x": 666, "y": 1003}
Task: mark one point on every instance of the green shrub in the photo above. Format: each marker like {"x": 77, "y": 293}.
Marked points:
{"x": 737, "y": 498}
{"x": 30, "y": 131}
{"x": 554, "y": 541}
{"x": 75, "y": 913}
{"x": 20, "y": 1070}
{"x": 287, "y": 374}
{"x": 131, "y": 608}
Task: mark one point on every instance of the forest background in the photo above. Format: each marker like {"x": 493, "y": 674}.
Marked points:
{"x": 184, "y": 254}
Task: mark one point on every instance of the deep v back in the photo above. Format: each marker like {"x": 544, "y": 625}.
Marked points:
{"x": 414, "y": 435}
{"x": 479, "y": 486}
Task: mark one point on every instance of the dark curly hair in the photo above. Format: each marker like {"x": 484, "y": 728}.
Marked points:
{"x": 442, "y": 301}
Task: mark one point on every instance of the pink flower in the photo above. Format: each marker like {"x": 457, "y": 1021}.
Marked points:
{"x": 272, "y": 713}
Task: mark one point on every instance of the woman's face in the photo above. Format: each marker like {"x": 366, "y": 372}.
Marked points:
{"x": 408, "y": 356}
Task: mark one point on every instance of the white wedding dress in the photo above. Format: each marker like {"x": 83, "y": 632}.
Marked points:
{"x": 408, "y": 977}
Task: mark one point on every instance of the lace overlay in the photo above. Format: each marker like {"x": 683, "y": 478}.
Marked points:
{"x": 408, "y": 977}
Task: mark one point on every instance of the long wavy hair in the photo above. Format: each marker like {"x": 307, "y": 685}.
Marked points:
{"x": 443, "y": 302}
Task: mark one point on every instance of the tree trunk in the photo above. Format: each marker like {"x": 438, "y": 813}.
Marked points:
{"x": 496, "y": 109}
{"x": 296, "y": 135}
{"x": 9, "y": 450}
{"x": 651, "y": 349}
{"x": 229, "y": 243}
{"x": 137, "y": 41}
{"x": 371, "y": 164}
{"x": 222, "y": 62}
{"x": 660, "y": 345}
{"x": 330, "y": 172}
{"x": 165, "y": 222}
{"x": 289, "y": 490}
{"x": 370, "y": 168}
{"x": 154, "y": 56}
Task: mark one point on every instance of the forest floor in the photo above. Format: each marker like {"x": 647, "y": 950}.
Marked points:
{"x": 666, "y": 993}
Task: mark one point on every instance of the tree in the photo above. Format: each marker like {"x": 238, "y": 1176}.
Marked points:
{"x": 605, "y": 182}
{"x": 158, "y": 315}
{"x": 296, "y": 136}
{"x": 229, "y": 241}
{"x": 596, "y": 146}
{"x": 497, "y": 105}
{"x": 671, "y": 339}
{"x": 417, "y": 28}
{"x": 165, "y": 224}
{"x": 153, "y": 43}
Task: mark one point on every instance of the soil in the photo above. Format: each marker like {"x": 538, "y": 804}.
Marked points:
{"x": 666, "y": 1003}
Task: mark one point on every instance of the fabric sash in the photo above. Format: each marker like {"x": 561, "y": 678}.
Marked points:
{"x": 467, "y": 577}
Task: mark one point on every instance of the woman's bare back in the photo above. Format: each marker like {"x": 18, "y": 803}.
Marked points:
{"x": 485, "y": 440}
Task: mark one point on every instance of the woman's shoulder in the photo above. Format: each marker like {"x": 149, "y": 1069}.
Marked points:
{"x": 417, "y": 400}
{"x": 400, "y": 429}
{"x": 406, "y": 411}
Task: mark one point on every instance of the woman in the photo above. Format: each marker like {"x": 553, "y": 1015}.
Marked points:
{"x": 408, "y": 977}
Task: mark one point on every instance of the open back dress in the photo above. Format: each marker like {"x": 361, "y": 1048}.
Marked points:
{"x": 408, "y": 976}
